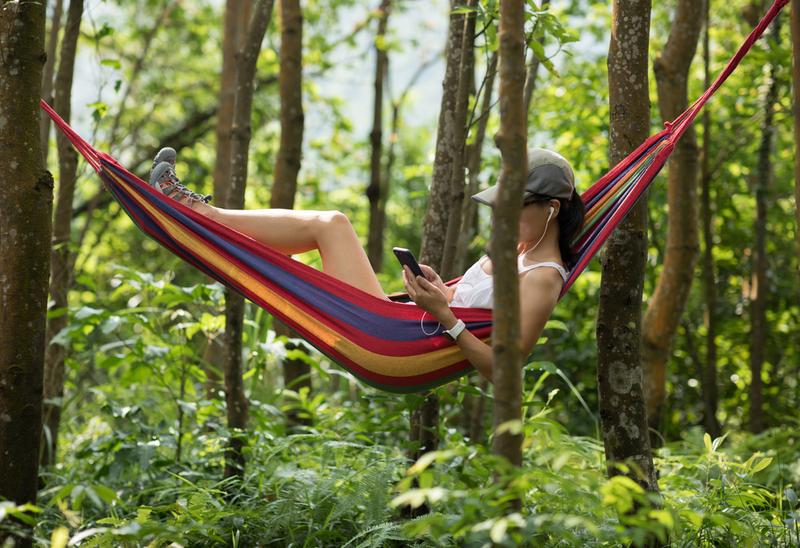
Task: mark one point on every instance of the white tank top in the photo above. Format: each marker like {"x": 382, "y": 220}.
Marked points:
{"x": 475, "y": 289}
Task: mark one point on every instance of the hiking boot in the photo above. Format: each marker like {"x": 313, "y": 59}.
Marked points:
{"x": 164, "y": 179}
{"x": 166, "y": 154}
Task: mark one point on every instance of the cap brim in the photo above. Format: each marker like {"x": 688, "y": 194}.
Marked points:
{"x": 486, "y": 196}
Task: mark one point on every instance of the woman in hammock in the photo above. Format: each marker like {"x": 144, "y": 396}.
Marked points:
{"x": 552, "y": 214}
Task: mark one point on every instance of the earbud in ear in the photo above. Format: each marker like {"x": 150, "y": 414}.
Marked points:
{"x": 552, "y": 210}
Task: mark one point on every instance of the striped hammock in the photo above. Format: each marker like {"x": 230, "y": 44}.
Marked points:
{"x": 378, "y": 341}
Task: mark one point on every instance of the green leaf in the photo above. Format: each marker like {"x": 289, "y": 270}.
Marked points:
{"x": 113, "y": 63}
{"x": 760, "y": 465}
{"x": 87, "y": 312}
{"x": 513, "y": 427}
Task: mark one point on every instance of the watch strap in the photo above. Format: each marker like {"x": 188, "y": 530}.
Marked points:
{"x": 456, "y": 330}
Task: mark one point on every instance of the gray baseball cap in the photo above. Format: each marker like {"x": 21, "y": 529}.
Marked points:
{"x": 549, "y": 174}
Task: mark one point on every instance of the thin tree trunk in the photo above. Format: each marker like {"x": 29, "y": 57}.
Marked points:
{"x": 377, "y": 199}
{"x": 795, "y": 24}
{"x": 533, "y": 67}
{"x": 26, "y": 201}
{"x": 466, "y": 73}
{"x": 434, "y": 233}
{"x": 441, "y": 196}
{"x": 47, "y": 77}
{"x": 512, "y": 141}
{"x": 61, "y": 258}
{"x": 709, "y": 370}
{"x": 759, "y": 287}
{"x": 231, "y": 42}
{"x": 619, "y": 373}
{"x": 474, "y": 405}
{"x": 287, "y": 164}
{"x": 296, "y": 372}
{"x": 666, "y": 306}
{"x": 469, "y": 208}
{"x": 233, "y": 37}
{"x": 477, "y": 433}
{"x": 234, "y": 302}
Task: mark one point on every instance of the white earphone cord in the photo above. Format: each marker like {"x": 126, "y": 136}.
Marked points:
{"x": 546, "y": 224}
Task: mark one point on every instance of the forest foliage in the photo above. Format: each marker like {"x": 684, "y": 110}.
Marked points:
{"x": 143, "y": 434}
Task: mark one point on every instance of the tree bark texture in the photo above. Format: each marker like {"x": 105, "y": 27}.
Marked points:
{"x": 47, "y": 76}
{"x": 619, "y": 374}
{"x": 376, "y": 189}
{"x": 234, "y": 302}
{"x": 441, "y": 195}
{"x": 296, "y": 372}
{"x": 26, "y": 201}
{"x": 759, "y": 286}
{"x": 709, "y": 372}
{"x": 795, "y": 23}
{"x": 512, "y": 141}
{"x": 672, "y": 289}
{"x": 287, "y": 164}
{"x": 231, "y": 42}
{"x": 61, "y": 259}
{"x": 469, "y": 208}
{"x": 474, "y": 405}
{"x": 465, "y": 76}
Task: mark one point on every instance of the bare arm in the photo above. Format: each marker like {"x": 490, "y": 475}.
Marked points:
{"x": 539, "y": 290}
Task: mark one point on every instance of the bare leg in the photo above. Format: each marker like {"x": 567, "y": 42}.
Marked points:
{"x": 293, "y": 231}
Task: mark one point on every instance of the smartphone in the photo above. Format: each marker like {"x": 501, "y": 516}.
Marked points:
{"x": 407, "y": 258}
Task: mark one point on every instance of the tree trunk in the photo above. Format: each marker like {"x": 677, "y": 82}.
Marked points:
{"x": 287, "y": 164}
{"x": 474, "y": 405}
{"x": 709, "y": 373}
{"x": 441, "y": 195}
{"x": 759, "y": 286}
{"x": 47, "y": 77}
{"x": 26, "y": 201}
{"x": 512, "y": 141}
{"x": 234, "y": 302}
{"x": 448, "y": 148}
{"x": 297, "y": 373}
{"x": 533, "y": 67}
{"x": 465, "y": 75}
{"x": 375, "y": 195}
{"x": 61, "y": 258}
{"x": 795, "y": 23}
{"x": 666, "y": 306}
{"x": 619, "y": 373}
{"x": 231, "y": 43}
{"x": 469, "y": 208}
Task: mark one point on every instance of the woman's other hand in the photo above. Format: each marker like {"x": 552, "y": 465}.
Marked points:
{"x": 434, "y": 278}
{"x": 428, "y": 295}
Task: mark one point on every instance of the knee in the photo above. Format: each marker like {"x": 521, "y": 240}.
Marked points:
{"x": 332, "y": 226}
{"x": 335, "y": 220}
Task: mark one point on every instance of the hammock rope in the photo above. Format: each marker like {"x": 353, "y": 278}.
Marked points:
{"x": 379, "y": 341}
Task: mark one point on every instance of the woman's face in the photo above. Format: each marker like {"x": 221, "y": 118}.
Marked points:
{"x": 533, "y": 219}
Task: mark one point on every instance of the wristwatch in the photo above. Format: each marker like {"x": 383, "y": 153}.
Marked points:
{"x": 456, "y": 330}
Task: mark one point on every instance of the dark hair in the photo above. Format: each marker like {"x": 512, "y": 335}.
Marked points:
{"x": 570, "y": 222}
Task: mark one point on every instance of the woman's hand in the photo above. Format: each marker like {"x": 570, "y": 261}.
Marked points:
{"x": 434, "y": 278}
{"x": 427, "y": 294}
